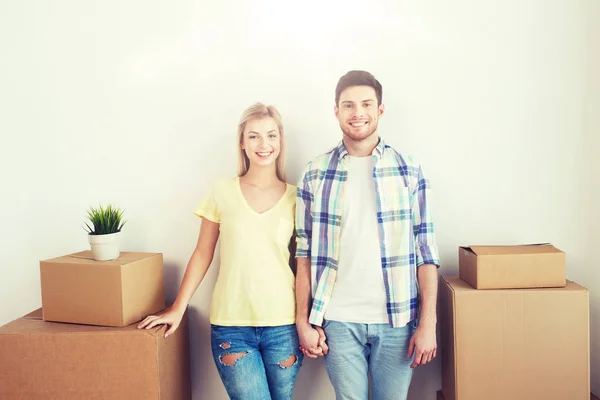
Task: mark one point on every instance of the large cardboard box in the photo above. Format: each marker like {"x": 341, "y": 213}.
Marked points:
{"x": 518, "y": 344}
{"x": 47, "y": 360}
{"x": 440, "y": 396}
{"x": 78, "y": 289}
{"x": 505, "y": 267}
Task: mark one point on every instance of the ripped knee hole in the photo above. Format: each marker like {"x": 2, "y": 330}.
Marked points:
{"x": 230, "y": 359}
{"x": 289, "y": 362}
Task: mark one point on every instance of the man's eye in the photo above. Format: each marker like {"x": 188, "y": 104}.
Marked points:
{"x": 347, "y": 106}
{"x": 272, "y": 136}
{"x": 368, "y": 105}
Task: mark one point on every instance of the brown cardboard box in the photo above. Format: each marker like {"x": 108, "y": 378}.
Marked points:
{"x": 78, "y": 289}
{"x": 47, "y": 360}
{"x": 505, "y": 267}
{"x": 517, "y": 344}
{"x": 440, "y": 396}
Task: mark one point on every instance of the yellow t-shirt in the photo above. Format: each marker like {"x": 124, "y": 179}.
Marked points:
{"x": 255, "y": 286}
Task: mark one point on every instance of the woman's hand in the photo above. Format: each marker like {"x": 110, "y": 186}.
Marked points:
{"x": 172, "y": 318}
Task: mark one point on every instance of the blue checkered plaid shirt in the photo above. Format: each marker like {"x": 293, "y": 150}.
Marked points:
{"x": 405, "y": 227}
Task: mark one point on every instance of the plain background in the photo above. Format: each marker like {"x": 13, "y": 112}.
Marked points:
{"x": 137, "y": 102}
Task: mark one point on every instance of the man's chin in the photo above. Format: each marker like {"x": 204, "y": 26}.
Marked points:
{"x": 358, "y": 136}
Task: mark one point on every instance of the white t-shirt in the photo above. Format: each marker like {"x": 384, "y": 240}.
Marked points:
{"x": 359, "y": 294}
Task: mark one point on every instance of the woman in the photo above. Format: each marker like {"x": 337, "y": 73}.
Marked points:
{"x": 252, "y": 314}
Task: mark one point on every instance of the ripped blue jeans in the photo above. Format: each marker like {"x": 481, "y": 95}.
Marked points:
{"x": 257, "y": 363}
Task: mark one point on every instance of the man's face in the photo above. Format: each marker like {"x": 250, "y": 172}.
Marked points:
{"x": 358, "y": 112}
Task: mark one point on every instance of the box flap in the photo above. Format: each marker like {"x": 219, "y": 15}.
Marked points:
{"x": 488, "y": 250}
{"x": 455, "y": 283}
{"x": 37, "y": 314}
{"x": 85, "y": 257}
{"x": 458, "y": 285}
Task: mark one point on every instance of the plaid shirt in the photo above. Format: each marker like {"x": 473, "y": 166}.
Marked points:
{"x": 405, "y": 229}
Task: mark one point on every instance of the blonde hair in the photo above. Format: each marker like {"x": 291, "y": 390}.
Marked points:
{"x": 259, "y": 111}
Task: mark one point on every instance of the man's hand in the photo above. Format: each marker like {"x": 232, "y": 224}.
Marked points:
{"x": 312, "y": 340}
{"x": 423, "y": 343}
{"x": 322, "y": 340}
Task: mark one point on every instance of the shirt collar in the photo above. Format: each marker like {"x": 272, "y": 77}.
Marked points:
{"x": 377, "y": 151}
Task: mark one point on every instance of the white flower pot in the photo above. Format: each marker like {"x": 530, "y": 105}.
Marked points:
{"x": 105, "y": 247}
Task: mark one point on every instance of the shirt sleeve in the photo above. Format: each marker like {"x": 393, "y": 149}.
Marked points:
{"x": 304, "y": 200}
{"x": 209, "y": 206}
{"x": 425, "y": 244}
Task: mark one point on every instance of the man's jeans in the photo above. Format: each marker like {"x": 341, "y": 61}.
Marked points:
{"x": 258, "y": 373}
{"x": 358, "y": 349}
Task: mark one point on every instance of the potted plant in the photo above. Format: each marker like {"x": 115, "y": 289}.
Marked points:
{"x": 104, "y": 236}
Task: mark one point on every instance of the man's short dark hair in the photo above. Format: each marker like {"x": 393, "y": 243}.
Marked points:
{"x": 358, "y": 78}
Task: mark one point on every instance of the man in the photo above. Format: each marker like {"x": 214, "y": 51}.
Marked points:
{"x": 367, "y": 258}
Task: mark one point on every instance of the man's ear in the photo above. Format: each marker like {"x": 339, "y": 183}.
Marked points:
{"x": 336, "y": 110}
{"x": 381, "y": 109}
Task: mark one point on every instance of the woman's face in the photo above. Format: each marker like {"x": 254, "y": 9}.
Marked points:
{"x": 261, "y": 141}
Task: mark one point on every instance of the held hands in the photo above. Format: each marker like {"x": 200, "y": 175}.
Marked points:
{"x": 423, "y": 343}
{"x": 312, "y": 341}
{"x": 172, "y": 318}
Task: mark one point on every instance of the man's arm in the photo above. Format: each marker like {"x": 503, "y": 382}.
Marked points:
{"x": 424, "y": 343}
{"x": 427, "y": 276}
{"x": 425, "y": 244}
{"x": 312, "y": 341}
{"x": 303, "y": 290}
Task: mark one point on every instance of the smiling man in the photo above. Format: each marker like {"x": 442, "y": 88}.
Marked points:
{"x": 366, "y": 283}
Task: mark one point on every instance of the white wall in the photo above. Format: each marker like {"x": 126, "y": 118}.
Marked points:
{"x": 136, "y": 103}
{"x": 592, "y": 164}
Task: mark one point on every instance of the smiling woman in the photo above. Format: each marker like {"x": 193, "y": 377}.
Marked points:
{"x": 252, "y": 317}
{"x": 260, "y": 134}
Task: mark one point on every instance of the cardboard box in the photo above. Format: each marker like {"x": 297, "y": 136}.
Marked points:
{"x": 440, "y": 396}
{"x": 47, "y": 360}
{"x": 78, "y": 289}
{"x": 517, "y": 344}
{"x": 505, "y": 267}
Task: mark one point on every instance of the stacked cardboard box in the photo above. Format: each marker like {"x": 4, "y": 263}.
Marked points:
{"x": 78, "y": 289}
{"x": 47, "y": 360}
{"x": 513, "y": 327}
{"x": 84, "y": 342}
